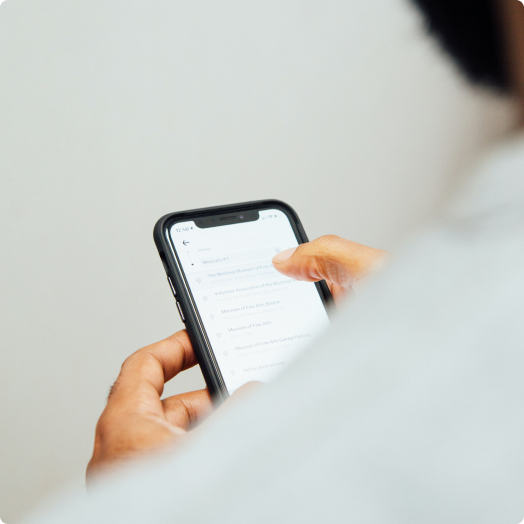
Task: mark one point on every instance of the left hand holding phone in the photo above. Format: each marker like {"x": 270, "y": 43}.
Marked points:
{"x": 136, "y": 422}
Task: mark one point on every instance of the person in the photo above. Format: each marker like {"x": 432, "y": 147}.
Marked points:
{"x": 409, "y": 409}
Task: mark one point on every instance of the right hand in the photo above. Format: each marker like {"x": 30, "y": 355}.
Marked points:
{"x": 341, "y": 263}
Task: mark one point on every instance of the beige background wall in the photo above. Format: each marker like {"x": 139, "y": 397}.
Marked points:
{"x": 115, "y": 112}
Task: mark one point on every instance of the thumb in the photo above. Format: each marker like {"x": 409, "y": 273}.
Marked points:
{"x": 330, "y": 258}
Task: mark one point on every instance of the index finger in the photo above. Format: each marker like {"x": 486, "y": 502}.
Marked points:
{"x": 144, "y": 373}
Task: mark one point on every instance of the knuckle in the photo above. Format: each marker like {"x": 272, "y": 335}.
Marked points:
{"x": 173, "y": 348}
{"x": 131, "y": 359}
{"x": 174, "y": 345}
{"x": 170, "y": 344}
{"x": 332, "y": 247}
{"x": 138, "y": 358}
{"x": 324, "y": 246}
{"x": 328, "y": 240}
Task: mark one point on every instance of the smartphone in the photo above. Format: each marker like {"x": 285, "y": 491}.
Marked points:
{"x": 246, "y": 320}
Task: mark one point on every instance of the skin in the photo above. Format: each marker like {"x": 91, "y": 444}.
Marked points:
{"x": 136, "y": 423}
{"x": 340, "y": 262}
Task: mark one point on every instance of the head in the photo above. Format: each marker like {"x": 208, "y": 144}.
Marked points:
{"x": 485, "y": 37}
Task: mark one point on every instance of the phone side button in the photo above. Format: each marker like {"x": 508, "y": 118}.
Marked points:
{"x": 180, "y": 311}
{"x": 171, "y": 286}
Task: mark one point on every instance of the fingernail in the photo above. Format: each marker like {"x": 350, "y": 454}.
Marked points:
{"x": 283, "y": 256}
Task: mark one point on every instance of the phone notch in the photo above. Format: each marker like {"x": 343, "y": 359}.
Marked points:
{"x": 226, "y": 220}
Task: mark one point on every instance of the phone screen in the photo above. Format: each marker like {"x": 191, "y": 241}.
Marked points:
{"x": 256, "y": 319}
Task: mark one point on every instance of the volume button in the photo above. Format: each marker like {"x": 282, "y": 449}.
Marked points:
{"x": 180, "y": 311}
{"x": 171, "y": 286}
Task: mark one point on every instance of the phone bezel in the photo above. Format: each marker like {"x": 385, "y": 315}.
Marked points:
{"x": 184, "y": 296}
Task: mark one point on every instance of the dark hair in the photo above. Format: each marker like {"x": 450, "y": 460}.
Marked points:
{"x": 469, "y": 31}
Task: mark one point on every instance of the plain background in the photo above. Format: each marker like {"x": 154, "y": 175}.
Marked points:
{"x": 115, "y": 112}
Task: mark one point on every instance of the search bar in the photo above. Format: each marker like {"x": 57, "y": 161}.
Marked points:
{"x": 239, "y": 257}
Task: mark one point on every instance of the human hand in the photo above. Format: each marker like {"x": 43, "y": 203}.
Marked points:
{"x": 135, "y": 421}
{"x": 341, "y": 263}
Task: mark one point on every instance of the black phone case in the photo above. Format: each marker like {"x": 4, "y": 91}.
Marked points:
{"x": 181, "y": 291}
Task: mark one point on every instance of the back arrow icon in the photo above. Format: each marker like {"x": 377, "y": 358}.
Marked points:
{"x": 185, "y": 242}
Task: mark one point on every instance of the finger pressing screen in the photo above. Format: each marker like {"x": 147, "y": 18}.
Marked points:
{"x": 330, "y": 258}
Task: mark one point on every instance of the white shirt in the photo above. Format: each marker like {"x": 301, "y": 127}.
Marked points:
{"x": 410, "y": 410}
